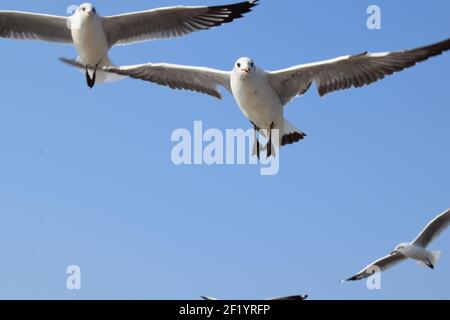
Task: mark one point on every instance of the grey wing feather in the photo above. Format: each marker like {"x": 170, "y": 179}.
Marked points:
{"x": 349, "y": 71}
{"x": 75, "y": 63}
{"x": 199, "y": 79}
{"x": 203, "y": 80}
{"x": 170, "y": 22}
{"x": 433, "y": 230}
{"x": 382, "y": 264}
{"x": 32, "y": 26}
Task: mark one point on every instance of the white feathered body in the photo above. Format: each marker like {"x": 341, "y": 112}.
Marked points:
{"x": 416, "y": 253}
{"x": 89, "y": 39}
{"x": 420, "y": 254}
{"x": 257, "y": 99}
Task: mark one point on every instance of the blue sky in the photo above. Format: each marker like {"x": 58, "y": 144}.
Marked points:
{"x": 87, "y": 179}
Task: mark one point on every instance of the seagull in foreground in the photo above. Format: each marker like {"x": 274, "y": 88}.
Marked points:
{"x": 262, "y": 95}
{"x": 93, "y": 35}
{"x": 289, "y": 298}
{"x": 414, "y": 250}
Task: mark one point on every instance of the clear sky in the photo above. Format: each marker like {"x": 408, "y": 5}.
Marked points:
{"x": 86, "y": 176}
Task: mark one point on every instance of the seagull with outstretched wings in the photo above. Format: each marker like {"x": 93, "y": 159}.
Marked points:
{"x": 416, "y": 249}
{"x": 262, "y": 95}
{"x": 94, "y": 35}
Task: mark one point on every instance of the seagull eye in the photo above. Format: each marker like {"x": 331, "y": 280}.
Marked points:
{"x": 238, "y": 65}
{"x": 83, "y": 9}
{"x": 252, "y": 64}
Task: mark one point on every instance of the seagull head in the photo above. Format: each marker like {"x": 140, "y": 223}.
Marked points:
{"x": 87, "y": 9}
{"x": 401, "y": 248}
{"x": 244, "y": 67}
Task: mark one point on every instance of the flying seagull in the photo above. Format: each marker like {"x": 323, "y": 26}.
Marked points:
{"x": 93, "y": 35}
{"x": 262, "y": 95}
{"x": 289, "y": 298}
{"x": 414, "y": 250}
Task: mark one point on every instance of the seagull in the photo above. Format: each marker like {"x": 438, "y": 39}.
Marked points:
{"x": 414, "y": 250}
{"x": 289, "y": 298}
{"x": 93, "y": 35}
{"x": 262, "y": 95}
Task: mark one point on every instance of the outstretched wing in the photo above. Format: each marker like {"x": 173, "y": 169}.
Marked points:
{"x": 381, "y": 265}
{"x": 203, "y": 80}
{"x": 170, "y": 22}
{"x": 433, "y": 230}
{"x": 199, "y": 79}
{"x": 32, "y": 26}
{"x": 349, "y": 71}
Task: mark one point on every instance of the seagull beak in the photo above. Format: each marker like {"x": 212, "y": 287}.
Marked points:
{"x": 246, "y": 70}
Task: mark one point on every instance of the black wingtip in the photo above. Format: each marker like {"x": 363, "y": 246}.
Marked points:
{"x": 254, "y": 3}
{"x": 355, "y": 278}
{"x": 65, "y": 60}
{"x": 249, "y": 4}
{"x": 237, "y": 10}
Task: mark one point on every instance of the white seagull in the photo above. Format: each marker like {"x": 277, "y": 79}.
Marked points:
{"x": 289, "y": 298}
{"x": 93, "y": 35}
{"x": 262, "y": 95}
{"x": 414, "y": 250}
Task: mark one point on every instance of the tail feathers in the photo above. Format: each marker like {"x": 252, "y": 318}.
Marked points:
{"x": 286, "y": 134}
{"x": 106, "y": 77}
{"x": 432, "y": 260}
{"x": 100, "y": 76}
{"x": 290, "y": 134}
{"x": 435, "y": 256}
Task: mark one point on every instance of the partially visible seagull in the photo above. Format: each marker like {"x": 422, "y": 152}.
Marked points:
{"x": 414, "y": 250}
{"x": 93, "y": 35}
{"x": 289, "y": 298}
{"x": 262, "y": 95}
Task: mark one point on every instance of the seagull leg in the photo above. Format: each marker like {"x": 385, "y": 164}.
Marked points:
{"x": 269, "y": 144}
{"x": 94, "y": 77}
{"x": 95, "y": 73}
{"x": 256, "y": 149}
